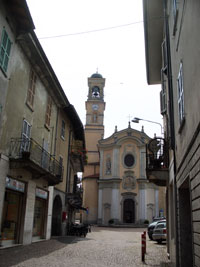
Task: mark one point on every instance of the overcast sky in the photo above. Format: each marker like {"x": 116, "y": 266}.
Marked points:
{"x": 107, "y": 35}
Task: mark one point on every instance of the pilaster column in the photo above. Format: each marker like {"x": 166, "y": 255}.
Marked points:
{"x": 156, "y": 203}
{"x": 101, "y": 164}
{"x": 100, "y": 197}
{"x": 4, "y": 166}
{"x": 49, "y": 214}
{"x": 29, "y": 213}
{"x": 115, "y": 165}
{"x": 115, "y": 204}
{"x": 142, "y": 204}
{"x": 142, "y": 162}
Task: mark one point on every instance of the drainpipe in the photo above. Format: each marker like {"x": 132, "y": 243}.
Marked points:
{"x": 56, "y": 132}
{"x": 68, "y": 163}
{"x": 171, "y": 114}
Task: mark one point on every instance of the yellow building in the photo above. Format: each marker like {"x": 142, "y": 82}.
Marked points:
{"x": 115, "y": 186}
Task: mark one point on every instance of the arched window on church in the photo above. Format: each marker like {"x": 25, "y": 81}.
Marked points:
{"x": 95, "y": 92}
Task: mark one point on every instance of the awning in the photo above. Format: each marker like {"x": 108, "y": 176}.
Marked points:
{"x": 76, "y": 203}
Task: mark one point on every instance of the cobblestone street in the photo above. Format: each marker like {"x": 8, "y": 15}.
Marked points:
{"x": 102, "y": 247}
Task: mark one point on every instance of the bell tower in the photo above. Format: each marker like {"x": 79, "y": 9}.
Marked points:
{"x": 95, "y": 107}
{"x": 94, "y": 131}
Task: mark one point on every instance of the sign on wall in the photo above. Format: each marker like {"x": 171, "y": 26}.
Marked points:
{"x": 15, "y": 185}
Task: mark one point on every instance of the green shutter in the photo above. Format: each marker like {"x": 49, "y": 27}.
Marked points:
{"x": 5, "y": 50}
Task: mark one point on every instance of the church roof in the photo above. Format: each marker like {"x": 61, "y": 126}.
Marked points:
{"x": 96, "y": 75}
{"x": 119, "y": 136}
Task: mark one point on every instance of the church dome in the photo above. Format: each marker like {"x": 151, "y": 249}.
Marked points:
{"x": 96, "y": 75}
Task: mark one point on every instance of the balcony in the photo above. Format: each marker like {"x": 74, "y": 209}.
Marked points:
{"x": 157, "y": 161}
{"x": 75, "y": 200}
{"x": 28, "y": 154}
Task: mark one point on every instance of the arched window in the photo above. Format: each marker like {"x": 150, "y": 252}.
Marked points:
{"x": 95, "y": 91}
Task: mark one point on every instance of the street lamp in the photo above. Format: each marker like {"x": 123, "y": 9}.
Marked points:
{"x": 137, "y": 120}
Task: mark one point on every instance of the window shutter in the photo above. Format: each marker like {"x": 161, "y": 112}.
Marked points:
{"x": 63, "y": 129}
{"x": 31, "y": 89}
{"x": 163, "y": 97}
{"x": 5, "y": 50}
{"x": 164, "y": 56}
{"x": 26, "y": 133}
{"x": 48, "y": 112}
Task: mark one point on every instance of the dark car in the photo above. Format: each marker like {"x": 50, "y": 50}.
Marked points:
{"x": 160, "y": 232}
{"x": 152, "y": 225}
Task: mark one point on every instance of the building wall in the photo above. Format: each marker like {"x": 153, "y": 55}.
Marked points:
{"x": 90, "y": 200}
{"x": 14, "y": 85}
{"x": 12, "y": 120}
{"x": 184, "y": 48}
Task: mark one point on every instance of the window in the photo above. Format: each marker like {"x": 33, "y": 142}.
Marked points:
{"x": 95, "y": 91}
{"x": 26, "y": 133}
{"x": 5, "y": 50}
{"x": 175, "y": 14}
{"x": 48, "y": 112}
{"x": 164, "y": 55}
{"x": 163, "y": 100}
{"x": 60, "y": 165}
{"x": 63, "y": 129}
{"x": 180, "y": 94}
{"x": 61, "y": 161}
{"x": 174, "y": 7}
{"x": 129, "y": 160}
{"x": 31, "y": 89}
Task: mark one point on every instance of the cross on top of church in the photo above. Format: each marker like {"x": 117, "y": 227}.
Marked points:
{"x": 129, "y": 120}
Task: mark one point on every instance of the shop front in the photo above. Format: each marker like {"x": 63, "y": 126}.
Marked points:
{"x": 40, "y": 212}
{"x": 12, "y": 219}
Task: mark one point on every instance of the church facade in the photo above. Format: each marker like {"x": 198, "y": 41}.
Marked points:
{"x": 115, "y": 188}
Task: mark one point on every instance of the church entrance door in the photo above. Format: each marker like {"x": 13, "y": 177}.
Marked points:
{"x": 129, "y": 211}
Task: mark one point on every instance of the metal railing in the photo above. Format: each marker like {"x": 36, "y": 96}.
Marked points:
{"x": 28, "y": 149}
{"x": 157, "y": 155}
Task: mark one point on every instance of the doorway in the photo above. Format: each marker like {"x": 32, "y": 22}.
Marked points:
{"x": 129, "y": 211}
{"x": 12, "y": 216}
{"x": 39, "y": 218}
{"x": 185, "y": 225}
{"x": 56, "y": 217}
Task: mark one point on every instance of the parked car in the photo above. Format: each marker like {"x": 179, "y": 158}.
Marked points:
{"x": 152, "y": 225}
{"x": 160, "y": 232}
{"x": 159, "y": 218}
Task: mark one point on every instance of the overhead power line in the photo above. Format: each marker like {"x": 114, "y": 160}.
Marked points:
{"x": 97, "y": 30}
{"x": 91, "y": 31}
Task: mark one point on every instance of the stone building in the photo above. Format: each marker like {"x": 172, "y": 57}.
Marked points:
{"x": 38, "y": 125}
{"x": 115, "y": 186}
{"x": 172, "y": 60}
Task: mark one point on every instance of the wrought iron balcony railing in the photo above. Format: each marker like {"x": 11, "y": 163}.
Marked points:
{"x": 24, "y": 150}
{"x": 157, "y": 161}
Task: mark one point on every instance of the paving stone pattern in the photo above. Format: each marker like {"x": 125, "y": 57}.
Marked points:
{"x": 102, "y": 247}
